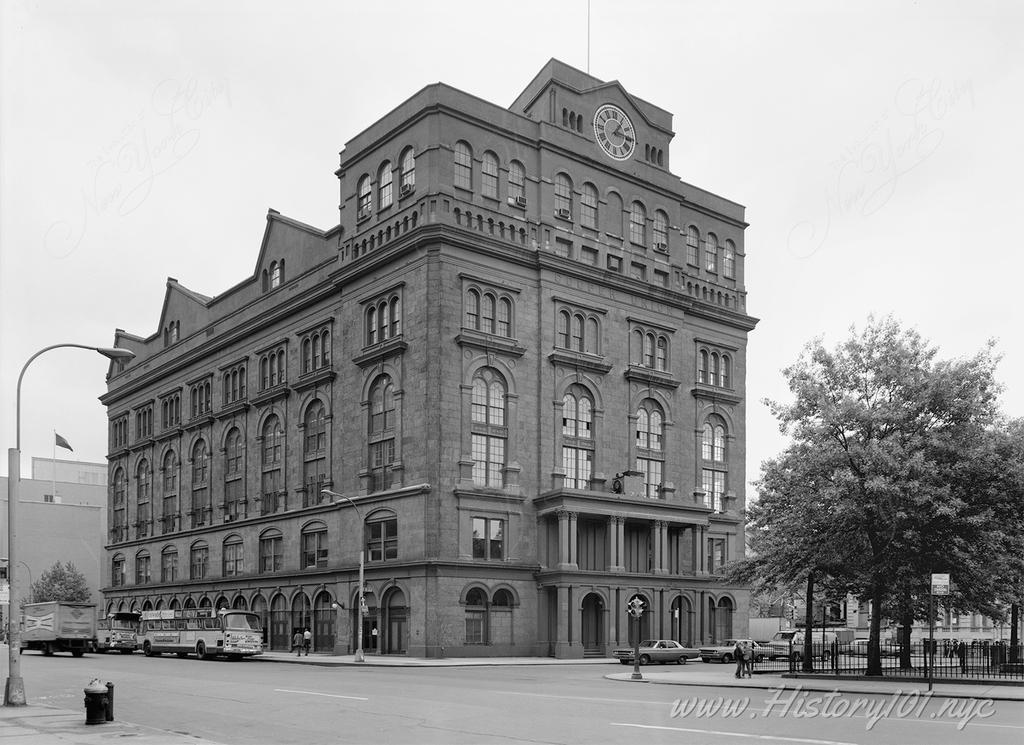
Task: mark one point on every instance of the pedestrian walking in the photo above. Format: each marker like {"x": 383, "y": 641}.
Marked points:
{"x": 748, "y": 659}
{"x": 738, "y": 654}
{"x": 307, "y": 640}
{"x": 297, "y": 643}
{"x": 962, "y": 654}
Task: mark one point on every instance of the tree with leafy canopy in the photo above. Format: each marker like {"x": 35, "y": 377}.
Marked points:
{"x": 62, "y": 582}
{"x": 882, "y": 431}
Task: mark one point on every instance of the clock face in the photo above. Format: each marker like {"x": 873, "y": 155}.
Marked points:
{"x": 614, "y": 132}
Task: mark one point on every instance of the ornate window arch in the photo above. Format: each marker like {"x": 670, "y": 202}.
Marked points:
{"x": 381, "y": 431}
{"x": 660, "y": 230}
{"x": 273, "y": 495}
{"x": 407, "y": 180}
{"x": 463, "y": 165}
{"x": 692, "y": 246}
{"x": 199, "y": 560}
{"x": 650, "y": 445}
{"x": 578, "y": 444}
{"x": 517, "y": 183}
{"x": 314, "y": 546}
{"x": 489, "y": 428}
{"x": 169, "y": 564}
{"x": 384, "y": 180}
{"x": 364, "y": 197}
{"x": 143, "y": 499}
{"x": 316, "y": 474}
{"x": 489, "y": 175}
{"x": 715, "y": 462}
{"x": 232, "y": 555}
{"x": 638, "y": 224}
{"x": 563, "y": 196}
{"x": 588, "y": 206}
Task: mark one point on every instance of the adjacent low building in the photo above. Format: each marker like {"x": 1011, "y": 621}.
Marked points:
{"x": 519, "y": 358}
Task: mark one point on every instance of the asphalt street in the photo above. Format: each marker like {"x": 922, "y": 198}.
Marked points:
{"x": 255, "y": 703}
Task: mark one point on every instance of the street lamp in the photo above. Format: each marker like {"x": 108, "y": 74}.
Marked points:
{"x": 14, "y": 689}
{"x": 362, "y": 602}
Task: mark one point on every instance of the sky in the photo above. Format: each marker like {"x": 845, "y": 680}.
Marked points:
{"x": 874, "y": 144}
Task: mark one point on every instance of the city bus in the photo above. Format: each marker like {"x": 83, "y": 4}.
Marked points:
{"x": 204, "y": 632}
{"x": 119, "y": 630}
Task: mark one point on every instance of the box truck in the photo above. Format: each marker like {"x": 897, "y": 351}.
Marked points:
{"x": 59, "y": 627}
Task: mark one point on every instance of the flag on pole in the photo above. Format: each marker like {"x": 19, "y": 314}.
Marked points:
{"x": 62, "y": 443}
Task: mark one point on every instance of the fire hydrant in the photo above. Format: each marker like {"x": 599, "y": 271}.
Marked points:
{"x": 95, "y": 702}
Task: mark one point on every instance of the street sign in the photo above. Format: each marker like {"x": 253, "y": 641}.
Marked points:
{"x": 940, "y": 584}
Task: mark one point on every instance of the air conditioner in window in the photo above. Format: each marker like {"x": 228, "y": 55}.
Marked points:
{"x": 518, "y": 201}
{"x": 405, "y": 190}
{"x": 661, "y": 246}
{"x": 563, "y": 214}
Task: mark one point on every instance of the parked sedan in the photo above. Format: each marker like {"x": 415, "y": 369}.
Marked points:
{"x": 859, "y": 647}
{"x": 657, "y": 650}
{"x": 725, "y": 652}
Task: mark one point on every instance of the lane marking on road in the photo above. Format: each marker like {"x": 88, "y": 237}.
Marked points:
{"x": 733, "y": 734}
{"x": 318, "y": 693}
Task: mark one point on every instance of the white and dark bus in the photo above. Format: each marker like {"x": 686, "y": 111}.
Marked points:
{"x": 204, "y": 632}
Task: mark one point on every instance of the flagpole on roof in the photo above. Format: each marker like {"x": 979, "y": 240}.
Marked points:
{"x": 53, "y": 468}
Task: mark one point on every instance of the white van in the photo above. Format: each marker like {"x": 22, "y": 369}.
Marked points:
{"x": 822, "y": 643}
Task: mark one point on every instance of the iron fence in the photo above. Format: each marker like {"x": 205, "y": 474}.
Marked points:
{"x": 983, "y": 660}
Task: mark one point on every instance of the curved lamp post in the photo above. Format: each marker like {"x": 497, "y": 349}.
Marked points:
{"x": 14, "y": 689}
{"x": 360, "y": 657}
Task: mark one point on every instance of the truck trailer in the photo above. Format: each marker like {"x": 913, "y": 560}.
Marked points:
{"x": 59, "y": 627}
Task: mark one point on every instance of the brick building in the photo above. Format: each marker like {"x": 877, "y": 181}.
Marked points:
{"x": 521, "y": 353}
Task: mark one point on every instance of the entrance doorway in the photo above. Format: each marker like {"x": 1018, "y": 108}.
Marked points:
{"x": 592, "y": 625}
{"x": 397, "y": 620}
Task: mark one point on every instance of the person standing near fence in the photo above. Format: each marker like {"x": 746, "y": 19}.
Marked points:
{"x": 962, "y": 654}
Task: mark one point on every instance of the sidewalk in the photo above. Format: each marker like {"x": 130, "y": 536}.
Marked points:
{"x": 45, "y": 725}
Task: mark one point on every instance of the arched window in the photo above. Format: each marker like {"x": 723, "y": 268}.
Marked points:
{"x": 660, "y": 230}
{"x": 117, "y": 570}
{"x": 715, "y": 369}
{"x": 517, "y": 183}
{"x": 488, "y": 311}
{"x": 408, "y": 177}
{"x": 169, "y": 565}
{"x": 711, "y": 253}
{"x": 371, "y": 325}
{"x": 143, "y": 494}
{"x": 563, "y": 196}
{"x": 692, "y": 246}
{"x": 588, "y": 206}
{"x": 638, "y": 224}
{"x": 504, "y": 317}
{"x": 199, "y": 560}
{"x": 143, "y": 574}
{"x": 703, "y": 366}
{"x": 234, "y": 476}
{"x": 650, "y": 458}
{"x": 648, "y": 350}
{"x": 314, "y": 546}
{"x": 273, "y": 497}
{"x": 463, "y": 165}
{"x": 276, "y": 271}
{"x": 473, "y": 309}
{"x": 169, "y": 513}
{"x": 381, "y": 433}
{"x": 232, "y": 556}
{"x": 577, "y": 437}
{"x": 489, "y": 175}
{"x": 661, "y": 354}
{"x": 271, "y": 551}
{"x": 384, "y": 196}
{"x": 314, "y": 452}
{"x": 489, "y": 431}
{"x": 729, "y": 260}
{"x": 202, "y": 512}
{"x": 726, "y": 371}
{"x": 476, "y": 616}
{"x": 364, "y": 198}
{"x": 714, "y": 471}
{"x": 382, "y": 536}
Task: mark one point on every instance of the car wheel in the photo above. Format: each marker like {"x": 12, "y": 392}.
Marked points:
{"x": 681, "y": 660}
{"x": 759, "y": 658}
{"x": 705, "y": 659}
{"x": 147, "y": 649}
{"x": 644, "y": 659}
{"x": 727, "y": 658}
